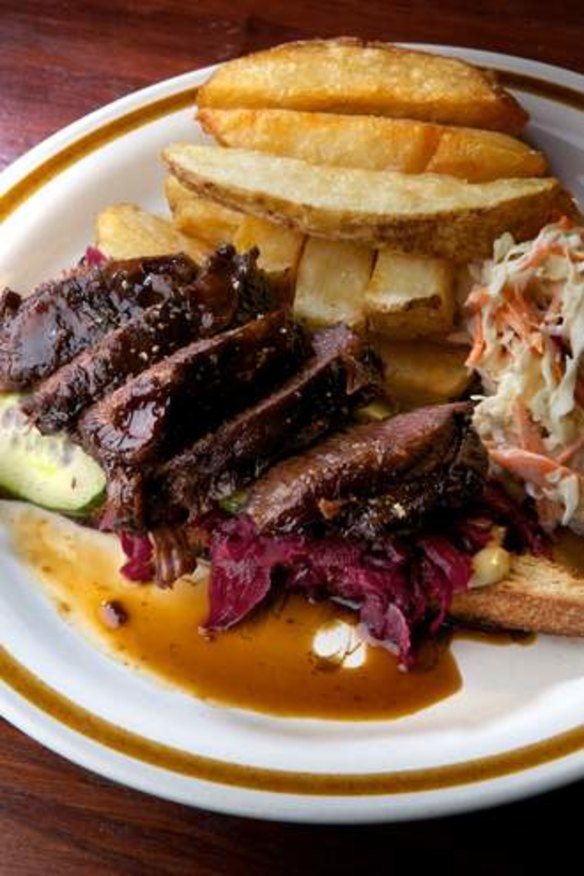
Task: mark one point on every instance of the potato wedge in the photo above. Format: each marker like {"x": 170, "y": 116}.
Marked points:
{"x": 422, "y": 372}
{"x": 482, "y": 156}
{"x": 176, "y": 194}
{"x": 206, "y": 220}
{"x": 125, "y": 231}
{"x": 331, "y": 280}
{"x": 409, "y": 296}
{"x": 426, "y": 214}
{"x": 198, "y": 217}
{"x": 374, "y": 143}
{"x": 279, "y": 247}
{"x": 350, "y": 76}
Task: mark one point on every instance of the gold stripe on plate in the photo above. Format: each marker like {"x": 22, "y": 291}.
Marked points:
{"x": 175, "y": 760}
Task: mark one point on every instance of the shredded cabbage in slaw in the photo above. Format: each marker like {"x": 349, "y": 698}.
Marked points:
{"x": 527, "y": 323}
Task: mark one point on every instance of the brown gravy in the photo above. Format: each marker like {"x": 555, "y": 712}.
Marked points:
{"x": 267, "y": 663}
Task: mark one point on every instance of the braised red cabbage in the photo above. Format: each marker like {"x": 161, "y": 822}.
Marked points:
{"x": 401, "y": 586}
{"x": 401, "y": 589}
{"x": 140, "y": 563}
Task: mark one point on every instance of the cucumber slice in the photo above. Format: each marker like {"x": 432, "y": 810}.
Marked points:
{"x": 47, "y": 470}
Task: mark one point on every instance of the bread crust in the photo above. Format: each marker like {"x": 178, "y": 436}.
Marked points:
{"x": 538, "y": 596}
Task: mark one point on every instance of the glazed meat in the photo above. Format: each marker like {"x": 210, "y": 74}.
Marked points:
{"x": 456, "y": 479}
{"x": 375, "y": 476}
{"x": 64, "y": 317}
{"x": 208, "y": 306}
{"x": 172, "y": 403}
{"x": 304, "y": 408}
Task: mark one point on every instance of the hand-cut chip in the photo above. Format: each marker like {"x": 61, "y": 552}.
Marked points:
{"x": 125, "y": 231}
{"x": 349, "y": 76}
{"x": 374, "y": 143}
{"x": 279, "y": 246}
{"x": 206, "y": 220}
{"x": 422, "y": 372}
{"x": 198, "y": 217}
{"x": 409, "y": 296}
{"x": 481, "y": 156}
{"x": 331, "y": 281}
{"x": 427, "y": 214}
{"x": 176, "y": 193}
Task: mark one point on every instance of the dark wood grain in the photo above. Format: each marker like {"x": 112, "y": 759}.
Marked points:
{"x": 58, "y": 60}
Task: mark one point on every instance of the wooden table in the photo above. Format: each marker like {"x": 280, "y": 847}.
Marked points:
{"x": 58, "y": 61}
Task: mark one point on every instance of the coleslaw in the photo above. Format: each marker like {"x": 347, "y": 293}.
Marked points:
{"x": 527, "y": 324}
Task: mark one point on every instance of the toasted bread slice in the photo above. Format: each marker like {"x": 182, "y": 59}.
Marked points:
{"x": 538, "y": 596}
{"x": 350, "y": 76}
{"x": 374, "y": 143}
{"x": 425, "y": 214}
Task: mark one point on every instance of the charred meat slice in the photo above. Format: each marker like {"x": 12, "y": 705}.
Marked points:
{"x": 321, "y": 394}
{"x": 64, "y": 317}
{"x": 228, "y": 278}
{"x": 205, "y": 308}
{"x": 192, "y": 391}
{"x": 370, "y": 461}
{"x": 256, "y": 292}
{"x": 457, "y": 479}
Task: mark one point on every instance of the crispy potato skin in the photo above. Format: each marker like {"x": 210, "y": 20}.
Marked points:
{"x": 374, "y": 143}
{"x": 351, "y": 76}
{"x": 198, "y": 217}
{"x": 425, "y": 214}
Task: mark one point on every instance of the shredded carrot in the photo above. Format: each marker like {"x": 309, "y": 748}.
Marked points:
{"x": 571, "y": 450}
{"x": 508, "y": 316}
{"x": 478, "y": 343}
{"x": 478, "y": 298}
{"x": 533, "y": 467}
{"x": 538, "y": 255}
{"x": 529, "y": 434}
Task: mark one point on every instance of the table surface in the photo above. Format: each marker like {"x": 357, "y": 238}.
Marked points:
{"x": 59, "y": 60}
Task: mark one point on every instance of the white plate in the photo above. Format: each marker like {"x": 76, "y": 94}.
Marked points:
{"x": 515, "y": 728}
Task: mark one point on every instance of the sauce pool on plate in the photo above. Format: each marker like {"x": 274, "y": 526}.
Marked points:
{"x": 294, "y": 658}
